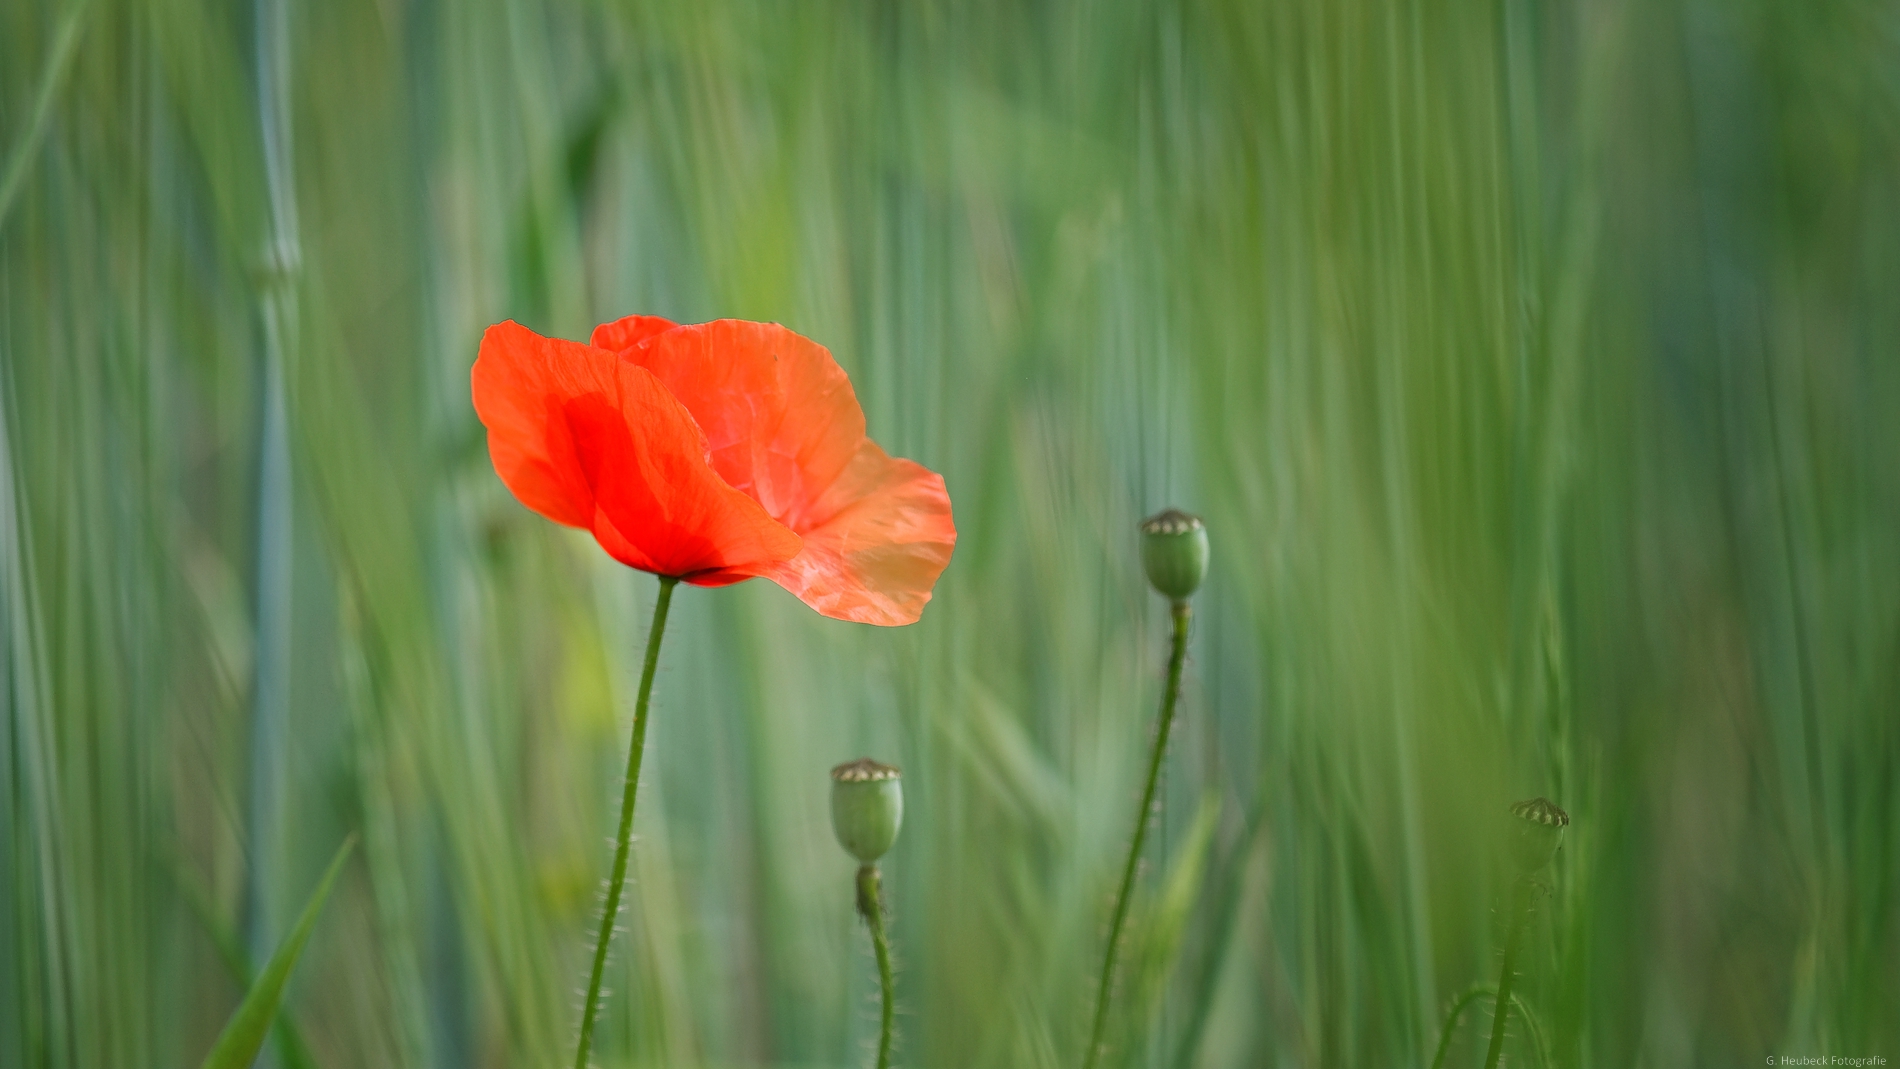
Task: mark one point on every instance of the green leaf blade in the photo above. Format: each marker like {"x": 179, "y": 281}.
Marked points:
{"x": 244, "y": 1035}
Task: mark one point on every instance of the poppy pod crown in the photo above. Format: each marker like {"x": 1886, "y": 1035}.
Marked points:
{"x": 715, "y": 453}
{"x": 1537, "y": 832}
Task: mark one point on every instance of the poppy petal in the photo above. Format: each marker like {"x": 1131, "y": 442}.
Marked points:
{"x": 592, "y": 441}
{"x": 779, "y": 413}
{"x": 629, "y": 332}
{"x": 516, "y": 376}
{"x": 646, "y": 462}
{"x": 888, "y": 537}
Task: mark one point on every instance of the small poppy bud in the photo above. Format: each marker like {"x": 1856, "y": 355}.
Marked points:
{"x": 1537, "y": 833}
{"x": 867, "y": 807}
{"x": 1174, "y": 552}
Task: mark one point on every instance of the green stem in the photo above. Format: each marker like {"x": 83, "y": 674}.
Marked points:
{"x": 1169, "y": 698}
{"x": 1520, "y": 911}
{"x": 871, "y": 907}
{"x": 619, "y": 878}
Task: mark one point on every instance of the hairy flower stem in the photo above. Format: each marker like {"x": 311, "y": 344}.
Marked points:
{"x": 1520, "y": 912}
{"x": 1176, "y": 656}
{"x": 619, "y": 878}
{"x": 871, "y": 908}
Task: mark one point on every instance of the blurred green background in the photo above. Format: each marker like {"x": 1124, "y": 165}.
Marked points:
{"x": 1535, "y": 364}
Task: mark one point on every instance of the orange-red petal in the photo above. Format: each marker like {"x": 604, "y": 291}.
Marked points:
{"x": 783, "y": 425}
{"x": 629, "y": 332}
{"x": 593, "y": 441}
{"x": 517, "y": 379}
{"x": 779, "y": 414}
{"x": 876, "y": 558}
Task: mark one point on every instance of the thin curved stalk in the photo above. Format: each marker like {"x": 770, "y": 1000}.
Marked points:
{"x": 1471, "y": 995}
{"x": 1451, "y": 1020}
{"x": 1463, "y": 1001}
{"x": 1169, "y": 699}
{"x": 1537, "y": 1033}
{"x": 618, "y": 880}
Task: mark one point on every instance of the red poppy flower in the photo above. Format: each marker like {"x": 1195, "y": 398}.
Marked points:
{"x": 714, "y": 453}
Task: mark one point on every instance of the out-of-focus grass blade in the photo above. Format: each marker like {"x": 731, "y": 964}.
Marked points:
{"x": 1165, "y": 921}
{"x": 22, "y": 154}
{"x": 1228, "y": 883}
{"x": 238, "y": 1045}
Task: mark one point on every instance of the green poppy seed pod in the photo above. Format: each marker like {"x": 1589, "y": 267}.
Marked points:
{"x": 1174, "y": 552}
{"x": 1537, "y": 833}
{"x": 867, "y": 807}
